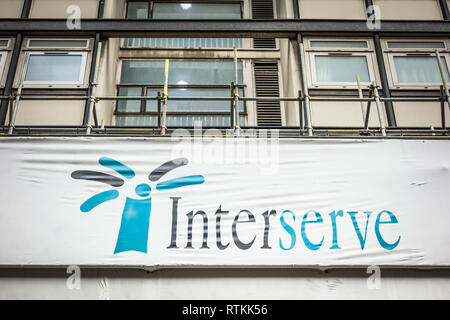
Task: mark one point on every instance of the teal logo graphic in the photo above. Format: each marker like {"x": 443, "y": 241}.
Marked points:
{"x": 135, "y": 223}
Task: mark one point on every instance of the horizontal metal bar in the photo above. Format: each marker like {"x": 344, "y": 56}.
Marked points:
{"x": 246, "y": 28}
{"x": 151, "y": 98}
{"x": 269, "y": 98}
{"x": 285, "y": 128}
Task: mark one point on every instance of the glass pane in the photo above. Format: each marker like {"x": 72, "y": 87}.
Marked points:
{"x": 129, "y": 105}
{"x": 152, "y": 105}
{"x": 200, "y": 106}
{"x": 147, "y": 121}
{"x": 3, "y": 43}
{"x": 191, "y": 105}
{"x": 419, "y": 69}
{"x": 408, "y": 45}
{"x": 54, "y": 68}
{"x": 188, "y": 43}
{"x": 137, "y": 10}
{"x": 58, "y": 43}
{"x": 180, "y": 72}
{"x": 341, "y": 69}
{"x": 196, "y": 11}
{"x": 206, "y": 121}
{"x": 338, "y": 44}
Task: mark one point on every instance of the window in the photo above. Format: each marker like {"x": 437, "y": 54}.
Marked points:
{"x": 62, "y": 68}
{"x": 187, "y": 78}
{"x": 43, "y": 43}
{"x": 56, "y": 62}
{"x": 413, "y": 64}
{"x": 185, "y": 10}
{"x": 336, "y": 63}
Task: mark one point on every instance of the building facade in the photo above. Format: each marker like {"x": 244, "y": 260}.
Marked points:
{"x": 308, "y": 69}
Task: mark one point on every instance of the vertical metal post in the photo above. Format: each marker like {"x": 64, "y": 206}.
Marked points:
{"x": 92, "y": 98}
{"x": 8, "y": 89}
{"x": 92, "y": 70}
{"x": 26, "y": 9}
{"x": 165, "y": 92}
{"x": 442, "y": 96}
{"x": 19, "y": 92}
{"x": 360, "y": 94}
{"x": 306, "y": 105}
{"x": 232, "y": 102}
{"x": 158, "y": 97}
{"x": 366, "y": 119}
{"x": 236, "y": 91}
{"x": 296, "y": 9}
{"x": 444, "y": 81}
{"x": 300, "y": 111}
{"x": 101, "y": 9}
{"x": 384, "y": 82}
{"x": 444, "y": 9}
{"x": 380, "y": 115}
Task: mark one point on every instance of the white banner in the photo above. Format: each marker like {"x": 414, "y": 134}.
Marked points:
{"x": 154, "y": 202}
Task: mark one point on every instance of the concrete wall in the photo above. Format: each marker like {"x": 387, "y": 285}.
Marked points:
{"x": 332, "y": 9}
{"x": 343, "y": 114}
{"x": 409, "y": 9}
{"x": 11, "y": 8}
{"x": 234, "y": 284}
{"x": 420, "y": 114}
{"x": 50, "y": 113}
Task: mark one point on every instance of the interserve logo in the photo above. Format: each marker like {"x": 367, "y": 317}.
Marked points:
{"x": 135, "y": 223}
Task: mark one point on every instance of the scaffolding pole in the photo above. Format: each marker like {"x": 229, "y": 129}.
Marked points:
{"x": 306, "y": 105}
{"x": 19, "y": 92}
{"x": 378, "y": 104}
{"x": 236, "y": 92}
{"x": 165, "y": 92}
{"x": 360, "y": 94}
{"x": 92, "y": 99}
{"x": 444, "y": 81}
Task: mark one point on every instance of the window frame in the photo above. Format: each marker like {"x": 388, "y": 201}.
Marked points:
{"x": 86, "y": 47}
{"x": 391, "y": 53}
{"x": 151, "y": 3}
{"x": 3, "y": 57}
{"x": 81, "y": 76}
{"x": 312, "y": 52}
{"x": 245, "y": 42}
{"x": 85, "y": 52}
{"x": 5, "y": 52}
{"x": 145, "y": 86}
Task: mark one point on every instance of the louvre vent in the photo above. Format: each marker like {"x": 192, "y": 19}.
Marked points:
{"x": 263, "y": 9}
{"x": 266, "y": 84}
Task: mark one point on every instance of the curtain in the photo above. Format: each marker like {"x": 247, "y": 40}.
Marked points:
{"x": 341, "y": 69}
{"x": 419, "y": 69}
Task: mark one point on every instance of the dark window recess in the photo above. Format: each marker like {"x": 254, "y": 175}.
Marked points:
{"x": 266, "y": 84}
{"x": 263, "y": 9}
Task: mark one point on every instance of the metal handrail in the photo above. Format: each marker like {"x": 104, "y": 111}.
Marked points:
{"x": 232, "y": 99}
